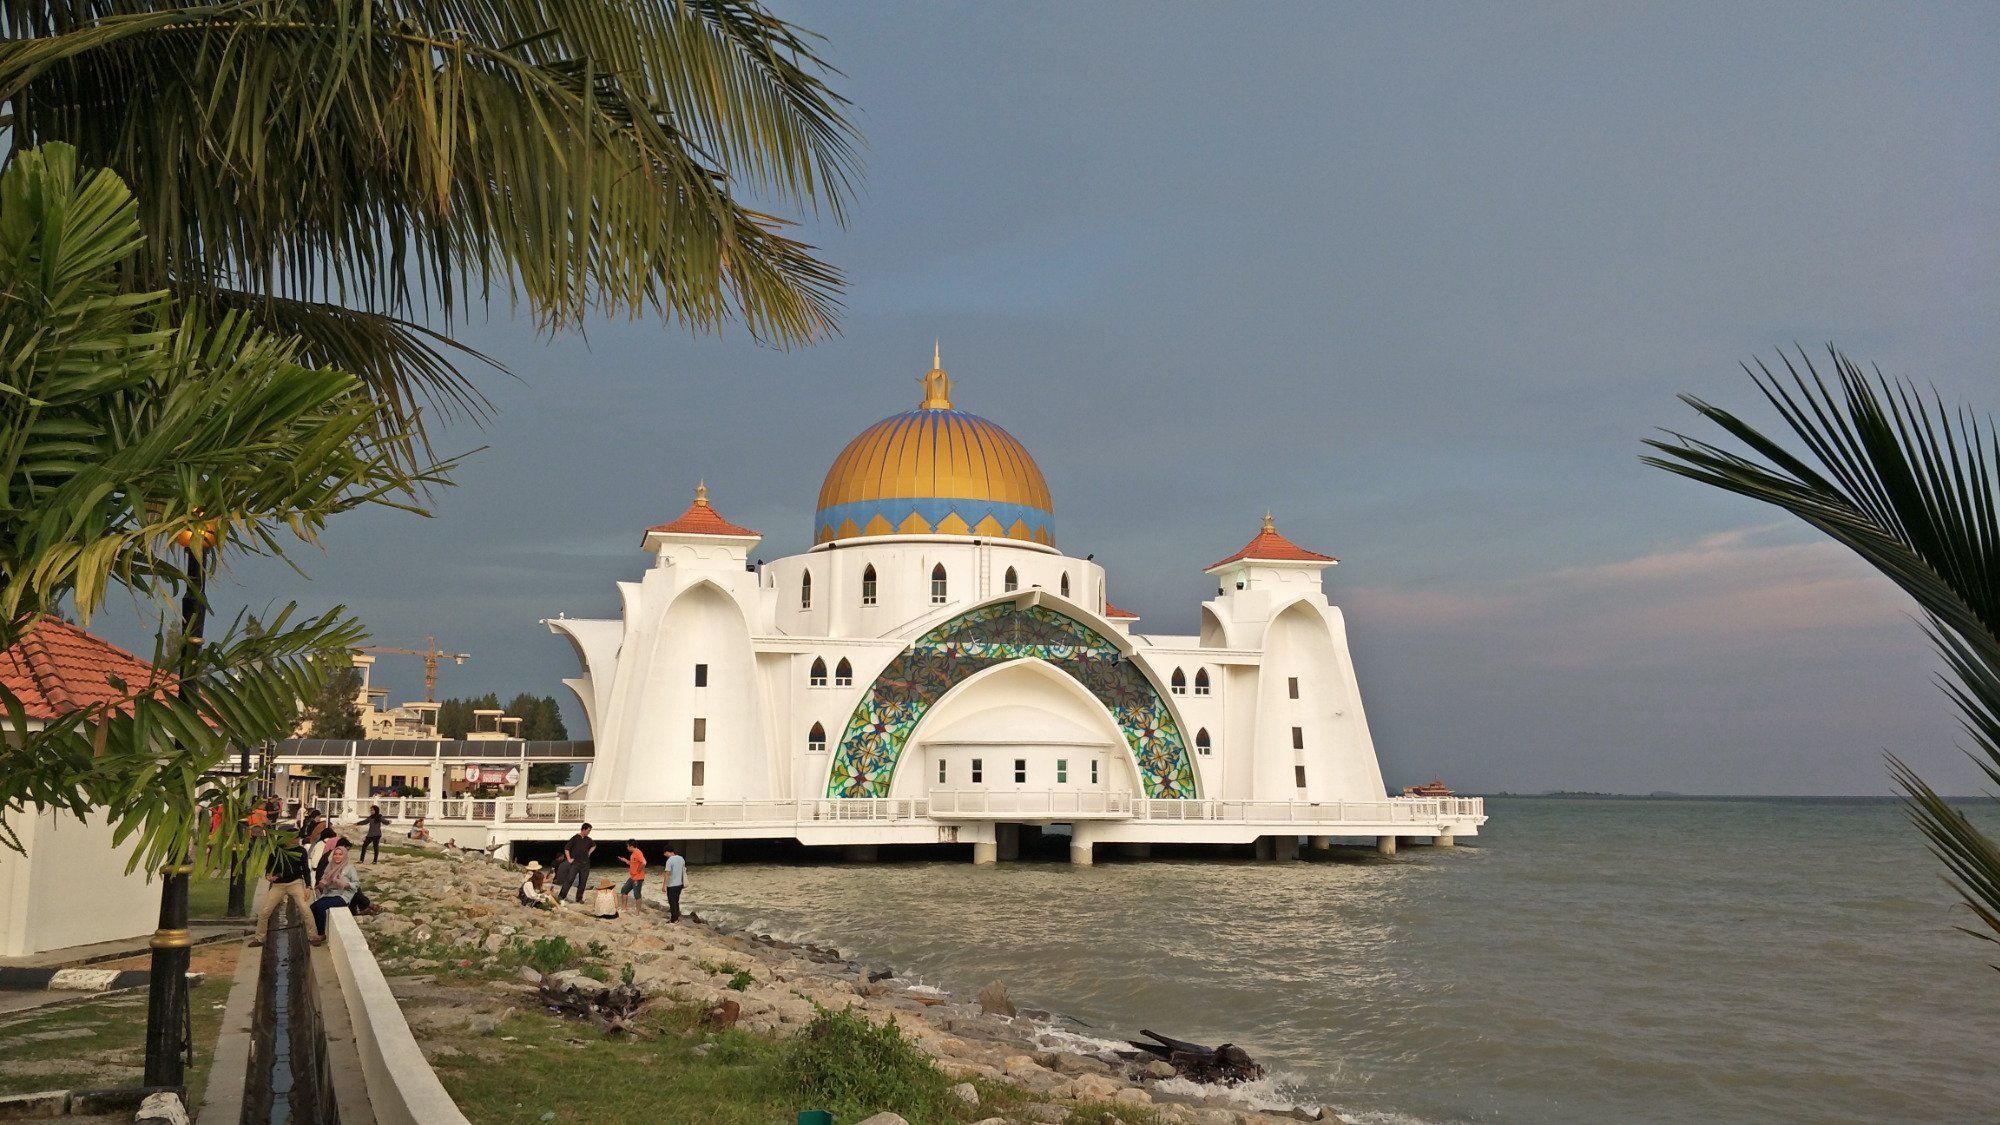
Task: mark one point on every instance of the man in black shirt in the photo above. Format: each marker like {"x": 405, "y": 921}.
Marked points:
{"x": 577, "y": 852}
{"x": 284, "y": 877}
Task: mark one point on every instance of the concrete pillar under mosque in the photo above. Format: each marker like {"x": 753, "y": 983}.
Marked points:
{"x": 1284, "y": 848}
{"x": 1321, "y": 843}
{"x": 985, "y": 852}
{"x": 1386, "y": 845}
{"x": 1264, "y": 848}
{"x": 1007, "y": 838}
{"x": 1444, "y": 839}
{"x": 1082, "y": 845}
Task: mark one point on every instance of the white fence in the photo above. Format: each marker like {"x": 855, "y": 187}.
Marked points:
{"x": 945, "y": 804}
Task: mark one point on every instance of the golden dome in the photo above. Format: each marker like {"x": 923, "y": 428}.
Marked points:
{"x": 935, "y": 470}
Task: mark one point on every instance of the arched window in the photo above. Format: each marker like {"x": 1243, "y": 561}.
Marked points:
{"x": 818, "y": 676}
{"x": 1201, "y": 681}
{"x": 816, "y": 739}
{"x": 1065, "y": 586}
{"x": 1012, "y": 583}
{"x": 937, "y": 585}
{"x": 843, "y": 674}
{"x": 806, "y": 590}
{"x": 1180, "y": 682}
{"x": 868, "y": 585}
{"x": 1201, "y": 743}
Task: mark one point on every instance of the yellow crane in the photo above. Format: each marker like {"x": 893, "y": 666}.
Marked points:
{"x": 431, "y": 654}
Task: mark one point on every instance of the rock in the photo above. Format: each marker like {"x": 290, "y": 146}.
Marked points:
{"x": 725, "y": 1014}
{"x": 480, "y": 1023}
{"x": 884, "y": 1118}
{"x": 392, "y": 925}
{"x": 1093, "y": 1088}
{"x": 494, "y": 943}
{"x": 1019, "y": 1066}
{"x": 1045, "y": 1113}
{"x": 967, "y": 1093}
{"x": 991, "y": 1121}
{"x": 163, "y": 1108}
{"x": 702, "y": 1049}
{"x": 1160, "y": 1068}
{"x": 1132, "y": 1095}
{"x": 993, "y": 1000}
{"x": 959, "y": 1068}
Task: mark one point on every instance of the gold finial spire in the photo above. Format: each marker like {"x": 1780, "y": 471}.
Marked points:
{"x": 701, "y": 494}
{"x": 1268, "y": 525}
{"x": 937, "y": 384}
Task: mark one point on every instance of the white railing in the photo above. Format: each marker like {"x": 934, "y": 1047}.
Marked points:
{"x": 985, "y": 803}
{"x": 939, "y": 804}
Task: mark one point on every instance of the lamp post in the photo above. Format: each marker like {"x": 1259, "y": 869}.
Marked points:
{"x": 169, "y": 1035}
{"x": 239, "y": 894}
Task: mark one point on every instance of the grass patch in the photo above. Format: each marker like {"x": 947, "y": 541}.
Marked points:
{"x": 739, "y": 977}
{"x": 100, "y": 1042}
{"x": 844, "y": 1063}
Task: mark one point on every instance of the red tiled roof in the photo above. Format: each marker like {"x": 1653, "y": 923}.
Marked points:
{"x": 57, "y": 668}
{"x": 701, "y": 519}
{"x": 1269, "y": 546}
{"x": 1115, "y": 613}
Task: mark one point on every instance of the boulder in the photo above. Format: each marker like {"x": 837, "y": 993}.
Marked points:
{"x": 993, "y": 1000}
{"x": 1132, "y": 1095}
{"x": 967, "y": 1093}
{"x": 163, "y": 1108}
{"x": 1093, "y": 1088}
{"x": 884, "y": 1118}
{"x": 1160, "y": 1068}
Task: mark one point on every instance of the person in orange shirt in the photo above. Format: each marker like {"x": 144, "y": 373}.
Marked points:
{"x": 635, "y": 870}
{"x": 257, "y": 819}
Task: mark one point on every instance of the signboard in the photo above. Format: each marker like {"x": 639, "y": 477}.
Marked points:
{"x": 472, "y": 774}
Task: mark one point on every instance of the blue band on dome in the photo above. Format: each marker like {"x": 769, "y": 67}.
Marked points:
{"x": 933, "y": 510}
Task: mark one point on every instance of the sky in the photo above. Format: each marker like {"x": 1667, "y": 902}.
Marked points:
{"x": 1418, "y": 279}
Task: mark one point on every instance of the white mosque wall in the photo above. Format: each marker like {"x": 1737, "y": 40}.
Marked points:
{"x": 69, "y": 886}
{"x": 1023, "y": 713}
{"x": 975, "y": 571}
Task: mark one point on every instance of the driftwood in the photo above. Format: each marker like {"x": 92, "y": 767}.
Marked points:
{"x": 611, "y": 1007}
{"x": 1226, "y": 1065}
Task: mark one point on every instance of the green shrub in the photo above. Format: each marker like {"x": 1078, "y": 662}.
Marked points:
{"x": 548, "y": 955}
{"x": 843, "y": 1063}
{"x": 741, "y": 980}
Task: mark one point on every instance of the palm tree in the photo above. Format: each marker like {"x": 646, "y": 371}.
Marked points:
{"x": 342, "y": 170}
{"x": 133, "y": 437}
{"x": 1911, "y": 486}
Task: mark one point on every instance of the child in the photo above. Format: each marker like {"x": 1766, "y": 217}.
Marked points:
{"x": 635, "y": 873}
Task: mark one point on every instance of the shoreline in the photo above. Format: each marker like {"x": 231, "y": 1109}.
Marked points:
{"x": 1060, "y": 1062}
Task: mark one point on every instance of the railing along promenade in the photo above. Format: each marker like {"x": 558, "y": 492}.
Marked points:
{"x": 938, "y": 805}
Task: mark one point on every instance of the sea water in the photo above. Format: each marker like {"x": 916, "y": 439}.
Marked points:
{"x": 1581, "y": 960}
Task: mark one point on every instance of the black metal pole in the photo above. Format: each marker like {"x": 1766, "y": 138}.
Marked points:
{"x": 168, "y": 1044}
{"x": 239, "y": 889}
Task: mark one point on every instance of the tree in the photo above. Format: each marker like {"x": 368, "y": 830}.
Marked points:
{"x": 139, "y": 438}
{"x": 335, "y": 712}
{"x": 1913, "y": 487}
{"x": 337, "y": 171}
{"x": 541, "y": 717}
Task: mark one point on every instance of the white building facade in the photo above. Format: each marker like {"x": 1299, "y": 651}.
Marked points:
{"x": 937, "y": 651}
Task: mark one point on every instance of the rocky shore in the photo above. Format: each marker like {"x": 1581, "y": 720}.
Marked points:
{"x": 438, "y": 905}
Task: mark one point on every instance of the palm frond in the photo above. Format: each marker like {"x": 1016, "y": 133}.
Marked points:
{"x": 1909, "y": 485}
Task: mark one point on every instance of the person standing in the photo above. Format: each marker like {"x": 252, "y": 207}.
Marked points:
{"x": 373, "y": 822}
{"x": 284, "y": 877}
{"x": 676, "y": 879}
{"x": 635, "y": 874}
{"x": 577, "y": 852}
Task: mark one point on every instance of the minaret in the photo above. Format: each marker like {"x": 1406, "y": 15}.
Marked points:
{"x": 937, "y": 384}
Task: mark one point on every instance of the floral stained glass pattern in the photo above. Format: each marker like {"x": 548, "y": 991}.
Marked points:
{"x": 945, "y": 656}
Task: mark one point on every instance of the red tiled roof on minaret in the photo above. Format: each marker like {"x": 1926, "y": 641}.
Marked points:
{"x": 701, "y": 519}
{"x": 56, "y": 669}
{"x": 1269, "y": 546}
{"x": 1116, "y": 614}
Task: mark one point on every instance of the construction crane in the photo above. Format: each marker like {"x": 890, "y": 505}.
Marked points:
{"x": 431, "y": 654}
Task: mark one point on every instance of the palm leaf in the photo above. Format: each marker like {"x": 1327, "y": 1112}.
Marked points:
{"x": 1909, "y": 485}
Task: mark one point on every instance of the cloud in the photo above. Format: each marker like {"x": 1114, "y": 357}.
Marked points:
{"x": 1746, "y": 588}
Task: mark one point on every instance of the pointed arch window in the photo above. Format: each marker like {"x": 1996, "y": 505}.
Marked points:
{"x": 816, "y": 739}
{"x": 1201, "y": 681}
{"x": 1202, "y": 744}
{"x": 817, "y": 678}
{"x": 1064, "y": 588}
{"x": 843, "y": 674}
{"x": 939, "y": 585}
{"x": 806, "y": 589}
{"x": 1012, "y": 582}
{"x": 1179, "y": 682}
{"x": 868, "y": 585}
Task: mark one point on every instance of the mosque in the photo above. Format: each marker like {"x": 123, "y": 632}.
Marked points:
{"x": 936, "y": 663}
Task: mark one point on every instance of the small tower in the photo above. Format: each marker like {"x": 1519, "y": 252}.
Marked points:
{"x": 1269, "y": 560}
{"x": 700, "y": 537}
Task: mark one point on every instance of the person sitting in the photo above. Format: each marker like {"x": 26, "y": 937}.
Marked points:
{"x": 337, "y": 887}
{"x": 534, "y": 889}
{"x": 604, "y": 904}
{"x": 418, "y": 831}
